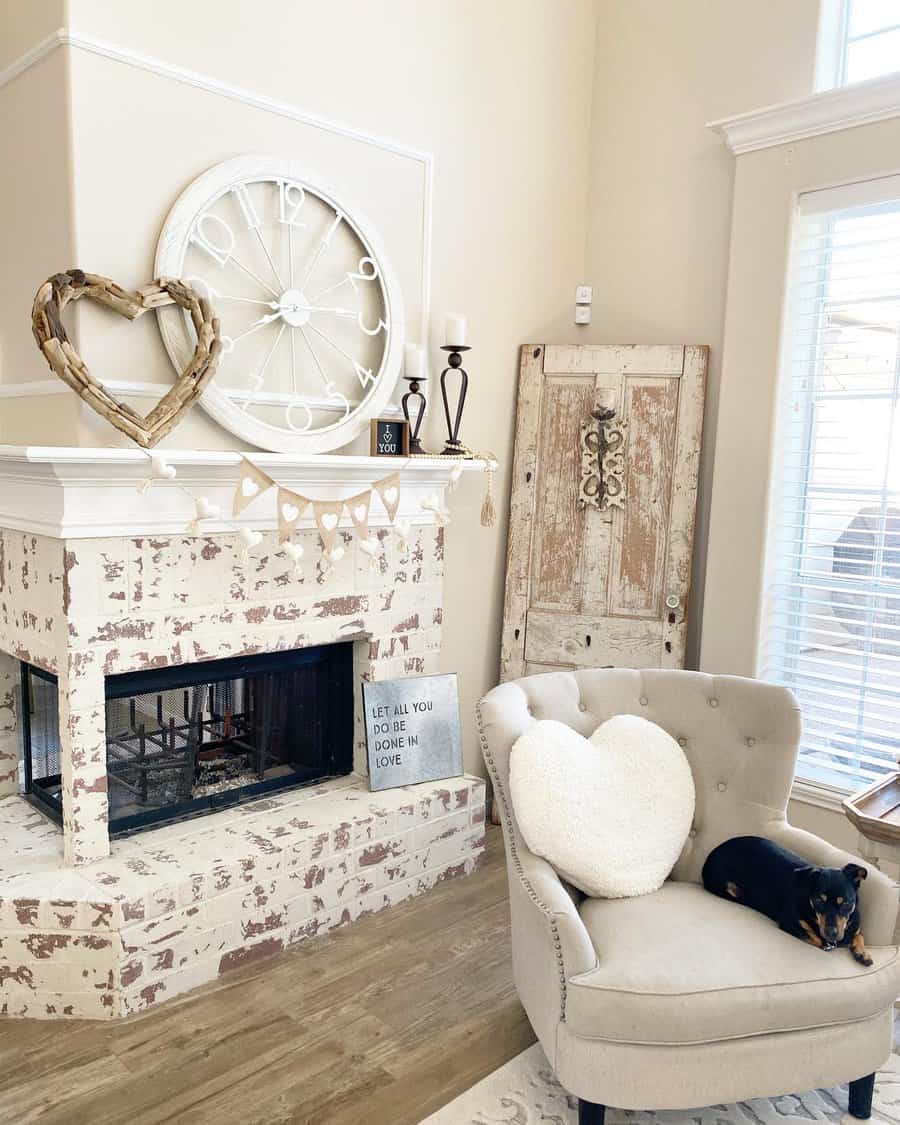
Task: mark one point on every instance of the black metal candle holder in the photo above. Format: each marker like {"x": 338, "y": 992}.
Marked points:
{"x": 453, "y": 447}
{"x": 415, "y": 446}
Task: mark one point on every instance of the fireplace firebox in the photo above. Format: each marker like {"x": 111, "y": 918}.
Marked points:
{"x": 185, "y": 740}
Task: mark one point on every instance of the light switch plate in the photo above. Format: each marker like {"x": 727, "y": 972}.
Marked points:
{"x": 582, "y": 314}
{"x": 584, "y": 294}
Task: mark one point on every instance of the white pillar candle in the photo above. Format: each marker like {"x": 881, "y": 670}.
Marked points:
{"x": 414, "y": 362}
{"x": 455, "y": 329}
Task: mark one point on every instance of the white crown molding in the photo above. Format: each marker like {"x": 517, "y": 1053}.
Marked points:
{"x": 66, "y": 37}
{"x": 827, "y": 112}
{"x": 76, "y": 40}
{"x": 80, "y": 493}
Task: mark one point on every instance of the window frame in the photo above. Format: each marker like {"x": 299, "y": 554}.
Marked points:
{"x": 854, "y": 193}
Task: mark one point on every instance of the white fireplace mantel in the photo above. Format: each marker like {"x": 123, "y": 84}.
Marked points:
{"x": 81, "y": 493}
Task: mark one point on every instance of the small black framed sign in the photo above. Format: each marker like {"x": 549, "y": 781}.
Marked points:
{"x": 412, "y": 730}
{"x": 389, "y": 437}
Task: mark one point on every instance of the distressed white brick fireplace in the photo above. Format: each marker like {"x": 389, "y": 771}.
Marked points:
{"x": 97, "y": 579}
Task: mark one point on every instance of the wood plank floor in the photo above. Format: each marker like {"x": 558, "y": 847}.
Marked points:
{"x": 383, "y": 1022}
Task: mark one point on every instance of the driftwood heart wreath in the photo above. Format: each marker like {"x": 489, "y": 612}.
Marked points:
{"x": 64, "y": 360}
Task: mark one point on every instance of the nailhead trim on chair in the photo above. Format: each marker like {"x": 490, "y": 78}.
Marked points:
{"x": 510, "y": 836}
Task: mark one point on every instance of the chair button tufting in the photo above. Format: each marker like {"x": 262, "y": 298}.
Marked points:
{"x": 751, "y": 741}
{"x": 582, "y": 707}
{"x": 643, "y": 701}
{"x": 714, "y": 703}
{"x": 692, "y": 833}
{"x": 721, "y": 787}
{"x": 682, "y": 741}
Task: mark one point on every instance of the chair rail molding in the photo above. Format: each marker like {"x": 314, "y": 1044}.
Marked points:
{"x": 826, "y": 112}
{"x": 76, "y": 40}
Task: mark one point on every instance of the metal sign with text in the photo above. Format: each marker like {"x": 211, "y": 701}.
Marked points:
{"x": 412, "y": 730}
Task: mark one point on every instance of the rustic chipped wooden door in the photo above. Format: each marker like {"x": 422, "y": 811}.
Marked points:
{"x": 602, "y": 586}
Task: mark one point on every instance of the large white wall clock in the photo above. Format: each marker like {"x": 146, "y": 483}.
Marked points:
{"x": 311, "y": 312}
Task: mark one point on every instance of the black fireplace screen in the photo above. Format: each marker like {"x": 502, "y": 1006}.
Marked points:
{"x": 186, "y": 740}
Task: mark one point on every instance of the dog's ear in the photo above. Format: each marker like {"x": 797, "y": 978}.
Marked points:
{"x": 804, "y": 875}
{"x": 855, "y": 872}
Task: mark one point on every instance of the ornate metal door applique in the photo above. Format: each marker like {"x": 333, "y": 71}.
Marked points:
{"x": 602, "y": 484}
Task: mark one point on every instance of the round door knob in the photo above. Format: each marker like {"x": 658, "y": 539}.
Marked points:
{"x": 673, "y": 601}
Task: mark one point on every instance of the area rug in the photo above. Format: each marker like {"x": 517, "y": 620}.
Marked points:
{"x": 525, "y": 1092}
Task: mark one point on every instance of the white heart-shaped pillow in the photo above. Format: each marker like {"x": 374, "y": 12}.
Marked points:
{"x": 610, "y": 814}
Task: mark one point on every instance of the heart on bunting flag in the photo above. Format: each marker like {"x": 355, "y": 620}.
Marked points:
{"x": 252, "y": 482}
{"x": 359, "y": 512}
{"x": 291, "y": 506}
{"x": 327, "y": 515}
{"x": 388, "y": 488}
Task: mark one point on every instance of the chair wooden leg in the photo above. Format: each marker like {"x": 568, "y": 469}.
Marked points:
{"x": 589, "y": 1113}
{"x": 861, "y": 1096}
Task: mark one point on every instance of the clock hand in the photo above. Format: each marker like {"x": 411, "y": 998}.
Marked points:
{"x": 256, "y": 325}
{"x": 349, "y": 313}
{"x": 299, "y": 307}
{"x": 246, "y": 300}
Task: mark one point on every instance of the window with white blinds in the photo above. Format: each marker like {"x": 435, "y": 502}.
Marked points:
{"x": 831, "y": 626}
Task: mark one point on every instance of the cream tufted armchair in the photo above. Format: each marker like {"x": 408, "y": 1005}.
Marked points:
{"x": 678, "y": 998}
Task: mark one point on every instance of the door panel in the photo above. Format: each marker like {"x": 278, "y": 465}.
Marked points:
{"x": 583, "y": 641}
{"x": 588, "y": 587}
{"x": 641, "y": 529}
{"x": 559, "y": 521}
{"x": 624, "y": 359}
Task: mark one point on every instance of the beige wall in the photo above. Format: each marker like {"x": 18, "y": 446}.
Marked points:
{"x": 36, "y": 201}
{"x": 25, "y": 23}
{"x": 499, "y": 92}
{"x": 661, "y": 183}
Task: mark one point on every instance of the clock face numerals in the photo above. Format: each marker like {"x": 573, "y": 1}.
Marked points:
{"x": 307, "y": 304}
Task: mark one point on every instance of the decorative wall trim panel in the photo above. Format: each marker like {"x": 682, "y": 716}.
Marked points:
{"x": 133, "y": 388}
{"x": 76, "y": 40}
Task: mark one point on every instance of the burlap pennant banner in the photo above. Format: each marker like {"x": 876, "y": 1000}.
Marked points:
{"x": 358, "y": 506}
{"x": 253, "y": 482}
{"x": 327, "y": 514}
{"x": 291, "y": 506}
{"x": 388, "y": 488}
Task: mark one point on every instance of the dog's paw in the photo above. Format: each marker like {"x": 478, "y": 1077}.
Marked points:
{"x": 863, "y": 958}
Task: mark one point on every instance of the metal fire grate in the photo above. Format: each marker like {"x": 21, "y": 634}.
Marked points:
{"x": 185, "y": 740}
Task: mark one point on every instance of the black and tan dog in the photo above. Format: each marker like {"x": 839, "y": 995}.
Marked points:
{"x": 818, "y": 904}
